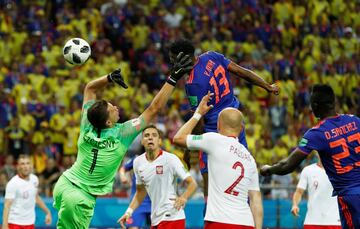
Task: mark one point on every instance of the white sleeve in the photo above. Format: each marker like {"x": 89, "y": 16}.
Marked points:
{"x": 200, "y": 142}
{"x": 254, "y": 184}
{"x": 136, "y": 171}
{"x": 36, "y": 180}
{"x": 179, "y": 168}
{"x": 303, "y": 181}
{"x": 10, "y": 192}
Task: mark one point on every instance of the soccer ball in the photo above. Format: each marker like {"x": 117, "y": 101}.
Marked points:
{"x": 76, "y": 51}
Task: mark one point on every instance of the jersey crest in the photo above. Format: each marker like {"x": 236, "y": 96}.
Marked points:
{"x": 159, "y": 169}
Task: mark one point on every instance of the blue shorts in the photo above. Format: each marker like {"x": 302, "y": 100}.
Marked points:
{"x": 349, "y": 208}
{"x": 203, "y": 156}
{"x": 140, "y": 218}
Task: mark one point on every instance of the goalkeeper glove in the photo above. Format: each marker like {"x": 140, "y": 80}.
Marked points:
{"x": 116, "y": 77}
{"x": 183, "y": 64}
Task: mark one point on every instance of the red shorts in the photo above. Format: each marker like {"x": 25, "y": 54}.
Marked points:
{"x": 321, "y": 227}
{"x": 176, "y": 224}
{"x": 216, "y": 225}
{"x": 15, "y": 226}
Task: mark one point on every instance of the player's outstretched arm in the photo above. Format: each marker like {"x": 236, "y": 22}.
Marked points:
{"x": 296, "y": 200}
{"x": 182, "y": 65}
{"x": 134, "y": 204}
{"x": 5, "y": 219}
{"x": 43, "y": 207}
{"x": 128, "y": 166}
{"x": 286, "y": 165}
{"x": 97, "y": 84}
{"x": 252, "y": 77}
{"x": 191, "y": 186}
{"x": 122, "y": 175}
{"x": 256, "y": 208}
{"x": 187, "y": 128}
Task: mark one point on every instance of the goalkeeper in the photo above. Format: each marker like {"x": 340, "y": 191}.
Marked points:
{"x": 102, "y": 145}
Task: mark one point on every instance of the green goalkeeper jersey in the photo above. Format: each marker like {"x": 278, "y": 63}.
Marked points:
{"x": 99, "y": 157}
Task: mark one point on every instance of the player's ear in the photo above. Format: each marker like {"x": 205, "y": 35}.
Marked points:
{"x": 108, "y": 123}
{"x": 315, "y": 109}
{"x": 314, "y": 106}
{"x": 142, "y": 139}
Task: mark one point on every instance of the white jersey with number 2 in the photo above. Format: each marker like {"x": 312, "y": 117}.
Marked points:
{"x": 232, "y": 173}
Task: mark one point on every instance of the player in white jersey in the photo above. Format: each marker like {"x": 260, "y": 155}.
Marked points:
{"x": 20, "y": 198}
{"x": 156, "y": 172}
{"x": 233, "y": 175}
{"x": 322, "y": 207}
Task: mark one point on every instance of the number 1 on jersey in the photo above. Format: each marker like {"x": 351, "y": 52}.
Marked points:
{"x": 95, "y": 152}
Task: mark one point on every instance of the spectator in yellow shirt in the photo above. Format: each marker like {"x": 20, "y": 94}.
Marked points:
{"x": 39, "y": 159}
{"x": 26, "y": 120}
{"x": 38, "y": 137}
{"x": 58, "y": 122}
{"x": 283, "y": 9}
{"x": 140, "y": 33}
{"x": 72, "y": 132}
{"x": 44, "y": 93}
{"x": 21, "y": 90}
{"x": 15, "y": 138}
{"x": 349, "y": 43}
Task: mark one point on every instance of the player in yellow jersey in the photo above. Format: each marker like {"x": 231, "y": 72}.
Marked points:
{"x": 102, "y": 145}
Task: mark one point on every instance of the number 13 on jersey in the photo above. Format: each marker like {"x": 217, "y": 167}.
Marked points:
{"x": 219, "y": 72}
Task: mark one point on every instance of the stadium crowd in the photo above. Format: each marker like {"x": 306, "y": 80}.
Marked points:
{"x": 294, "y": 43}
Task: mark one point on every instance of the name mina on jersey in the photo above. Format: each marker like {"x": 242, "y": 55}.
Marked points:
{"x": 210, "y": 74}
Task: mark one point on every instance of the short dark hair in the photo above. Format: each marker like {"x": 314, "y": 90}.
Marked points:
{"x": 98, "y": 114}
{"x": 182, "y": 45}
{"x": 152, "y": 126}
{"x": 322, "y": 98}
{"x": 323, "y": 93}
{"x": 23, "y": 156}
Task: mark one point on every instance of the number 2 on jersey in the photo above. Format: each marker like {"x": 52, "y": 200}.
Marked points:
{"x": 345, "y": 153}
{"x": 95, "y": 152}
{"x": 230, "y": 190}
{"x": 223, "y": 81}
